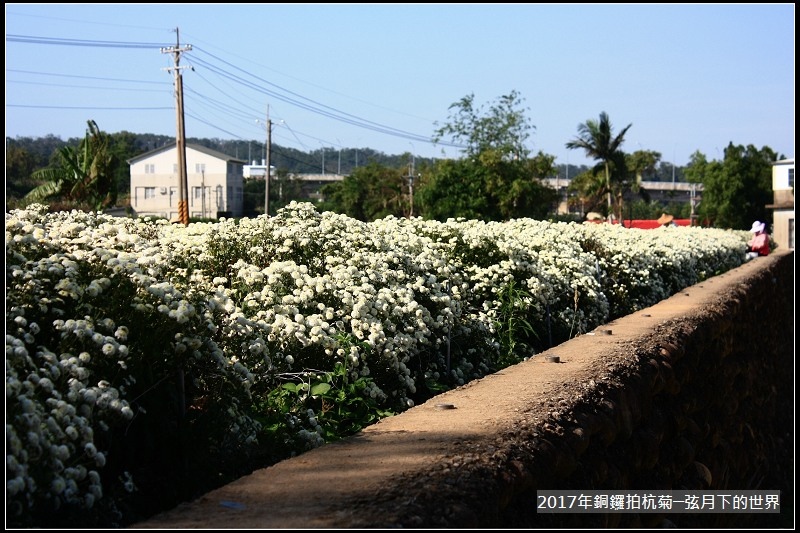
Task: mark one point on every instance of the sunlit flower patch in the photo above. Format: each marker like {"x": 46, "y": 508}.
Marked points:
{"x": 135, "y": 341}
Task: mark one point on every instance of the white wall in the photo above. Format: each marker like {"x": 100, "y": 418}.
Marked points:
{"x": 783, "y": 212}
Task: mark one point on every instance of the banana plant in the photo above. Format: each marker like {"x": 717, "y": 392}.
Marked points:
{"x": 84, "y": 176}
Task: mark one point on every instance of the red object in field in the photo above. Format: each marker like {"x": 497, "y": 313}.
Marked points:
{"x": 652, "y": 224}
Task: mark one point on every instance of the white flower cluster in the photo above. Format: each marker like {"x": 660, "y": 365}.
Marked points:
{"x": 396, "y": 301}
{"x": 53, "y": 413}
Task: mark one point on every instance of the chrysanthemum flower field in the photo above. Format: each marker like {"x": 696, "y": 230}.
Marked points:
{"x": 147, "y": 362}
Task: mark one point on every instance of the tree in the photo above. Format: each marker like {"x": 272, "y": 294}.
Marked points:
{"x": 123, "y": 146}
{"x": 82, "y": 178}
{"x": 596, "y": 138}
{"x": 643, "y": 162}
{"x": 737, "y": 189}
{"x": 628, "y": 171}
{"x": 495, "y": 180}
{"x": 503, "y": 128}
{"x": 369, "y": 193}
{"x": 455, "y": 188}
{"x": 285, "y": 188}
{"x": 520, "y": 189}
{"x": 20, "y": 164}
{"x": 586, "y": 192}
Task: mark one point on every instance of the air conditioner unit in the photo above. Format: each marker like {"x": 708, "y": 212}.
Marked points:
{"x": 163, "y": 190}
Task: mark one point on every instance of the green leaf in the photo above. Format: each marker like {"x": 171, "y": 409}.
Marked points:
{"x": 320, "y": 388}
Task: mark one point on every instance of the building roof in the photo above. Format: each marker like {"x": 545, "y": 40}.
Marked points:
{"x": 197, "y": 147}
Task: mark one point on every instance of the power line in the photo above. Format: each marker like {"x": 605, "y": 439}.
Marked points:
{"x": 84, "y": 77}
{"x": 314, "y": 106}
{"x": 29, "y": 39}
{"x": 89, "y": 107}
{"x": 262, "y": 87}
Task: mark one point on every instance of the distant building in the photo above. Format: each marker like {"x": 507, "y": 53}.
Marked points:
{"x": 215, "y": 183}
{"x": 783, "y": 203}
{"x": 256, "y": 170}
{"x": 313, "y": 183}
{"x": 659, "y": 191}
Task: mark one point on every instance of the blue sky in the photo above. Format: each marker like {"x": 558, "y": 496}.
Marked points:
{"x": 687, "y": 77}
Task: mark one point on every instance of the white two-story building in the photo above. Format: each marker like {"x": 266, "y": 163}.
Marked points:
{"x": 215, "y": 183}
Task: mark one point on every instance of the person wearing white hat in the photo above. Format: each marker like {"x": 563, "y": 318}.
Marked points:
{"x": 759, "y": 244}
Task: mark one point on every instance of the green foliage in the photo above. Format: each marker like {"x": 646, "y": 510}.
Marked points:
{"x": 455, "y": 189}
{"x": 495, "y": 180}
{"x": 503, "y": 128}
{"x": 283, "y": 189}
{"x": 83, "y": 177}
{"x": 597, "y": 140}
{"x": 19, "y": 162}
{"x": 737, "y": 189}
{"x": 586, "y": 191}
{"x": 369, "y": 193}
{"x": 642, "y": 164}
{"x": 329, "y": 405}
{"x": 514, "y": 331}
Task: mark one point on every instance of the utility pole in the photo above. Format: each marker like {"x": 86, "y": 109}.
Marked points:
{"x": 203, "y": 189}
{"x": 410, "y": 178}
{"x": 268, "y": 169}
{"x": 180, "y": 138}
{"x": 673, "y": 167}
{"x": 339, "y": 167}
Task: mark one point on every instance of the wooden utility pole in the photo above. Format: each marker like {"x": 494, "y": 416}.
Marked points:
{"x": 180, "y": 138}
{"x": 268, "y": 172}
{"x": 410, "y": 179}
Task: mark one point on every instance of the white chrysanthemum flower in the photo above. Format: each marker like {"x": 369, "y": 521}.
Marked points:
{"x": 15, "y": 485}
{"x": 58, "y": 485}
{"x": 121, "y": 333}
{"x": 109, "y": 349}
{"x": 71, "y": 432}
{"x": 90, "y": 450}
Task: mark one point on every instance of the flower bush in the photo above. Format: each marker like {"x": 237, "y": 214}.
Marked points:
{"x": 147, "y": 362}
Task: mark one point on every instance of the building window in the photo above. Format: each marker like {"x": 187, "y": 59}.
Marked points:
{"x": 174, "y": 168}
{"x": 791, "y": 178}
{"x": 149, "y": 192}
{"x": 150, "y": 168}
{"x": 199, "y": 168}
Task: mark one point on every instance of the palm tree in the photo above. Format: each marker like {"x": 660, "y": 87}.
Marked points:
{"x": 84, "y": 177}
{"x": 599, "y": 143}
